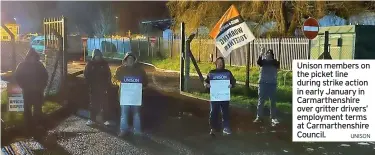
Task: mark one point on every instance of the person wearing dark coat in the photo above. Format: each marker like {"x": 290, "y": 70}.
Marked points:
{"x": 219, "y": 106}
{"x": 32, "y": 77}
{"x": 98, "y": 77}
{"x": 267, "y": 84}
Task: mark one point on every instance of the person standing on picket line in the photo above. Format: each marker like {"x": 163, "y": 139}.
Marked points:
{"x": 32, "y": 77}
{"x": 267, "y": 84}
{"x": 98, "y": 77}
{"x": 217, "y": 106}
{"x": 130, "y": 67}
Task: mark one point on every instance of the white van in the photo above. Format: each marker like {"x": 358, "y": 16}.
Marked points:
{"x": 74, "y": 46}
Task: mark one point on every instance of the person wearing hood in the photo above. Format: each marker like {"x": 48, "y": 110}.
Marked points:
{"x": 267, "y": 84}
{"x": 130, "y": 67}
{"x": 217, "y": 106}
{"x": 32, "y": 77}
{"x": 98, "y": 77}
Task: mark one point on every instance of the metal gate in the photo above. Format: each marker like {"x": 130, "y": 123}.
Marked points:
{"x": 55, "y": 56}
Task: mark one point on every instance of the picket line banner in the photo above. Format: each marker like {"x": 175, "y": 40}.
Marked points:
{"x": 231, "y": 32}
{"x": 333, "y": 100}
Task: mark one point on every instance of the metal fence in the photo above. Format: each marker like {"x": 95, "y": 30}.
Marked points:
{"x": 204, "y": 50}
{"x": 55, "y": 56}
{"x": 343, "y": 51}
{"x": 21, "y": 49}
{"x": 109, "y": 44}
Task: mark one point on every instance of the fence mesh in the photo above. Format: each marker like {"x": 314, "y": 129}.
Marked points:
{"x": 204, "y": 50}
{"x": 21, "y": 49}
{"x": 345, "y": 51}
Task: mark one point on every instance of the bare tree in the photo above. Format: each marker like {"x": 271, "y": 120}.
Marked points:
{"x": 105, "y": 24}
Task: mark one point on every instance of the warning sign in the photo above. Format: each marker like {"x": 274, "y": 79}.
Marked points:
{"x": 15, "y": 98}
{"x": 311, "y": 28}
{"x": 231, "y": 32}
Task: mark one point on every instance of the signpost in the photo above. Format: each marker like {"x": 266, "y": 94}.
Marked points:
{"x": 311, "y": 28}
{"x": 84, "y": 42}
{"x": 153, "y": 41}
{"x": 15, "y": 97}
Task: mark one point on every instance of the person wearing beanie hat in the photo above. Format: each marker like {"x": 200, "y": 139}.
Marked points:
{"x": 32, "y": 77}
{"x": 98, "y": 77}
{"x": 267, "y": 84}
{"x": 130, "y": 68}
{"x": 217, "y": 106}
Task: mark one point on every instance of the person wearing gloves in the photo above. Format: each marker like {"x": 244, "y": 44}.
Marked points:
{"x": 267, "y": 84}
{"x": 98, "y": 77}
{"x": 217, "y": 106}
{"x": 130, "y": 68}
{"x": 32, "y": 78}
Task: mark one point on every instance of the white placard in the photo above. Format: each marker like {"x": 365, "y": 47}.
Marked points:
{"x": 219, "y": 90}
{"x": 16, "y": 103}
{"x": 333, "y": 100}
{"x": 131, "y": 94}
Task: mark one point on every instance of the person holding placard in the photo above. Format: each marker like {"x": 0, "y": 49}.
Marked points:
{"x": 32, "y": 77}
{"x": 133, "y": 79}
{"x": 219, "y": 81}
{"x": 267, "y": 84}
{"x": 98, "y": 77}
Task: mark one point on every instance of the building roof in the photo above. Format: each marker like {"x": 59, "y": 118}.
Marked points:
{"x": 338, "y": 29}
{"x": 162, "y": 24}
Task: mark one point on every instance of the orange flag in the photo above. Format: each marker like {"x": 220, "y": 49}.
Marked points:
{"x": 231, "y": 32}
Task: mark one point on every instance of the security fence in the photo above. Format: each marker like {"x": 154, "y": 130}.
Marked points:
{"x": 55, "y": 56}
{"x": 204, "y": 50}
{"x": 343, "y": 49}
{"x": 20, "y": 51}
{"x": 285, "y": 49}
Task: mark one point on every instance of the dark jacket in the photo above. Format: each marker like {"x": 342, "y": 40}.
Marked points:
{"x": 31, "y": 75}
{"x": 135, "y": 70}
{"x": 268, "y": 70}
{"x": 232, "y": 79}
{"x": 97, "y": 72}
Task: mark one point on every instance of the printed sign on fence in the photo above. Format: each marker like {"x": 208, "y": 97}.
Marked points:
{"x": 131, "y": 91}
{"x": 231, "y": 32}
{"x": 15, "y": 98}
{"x": 219, "y": 90}
{"x": 333, "y": 100}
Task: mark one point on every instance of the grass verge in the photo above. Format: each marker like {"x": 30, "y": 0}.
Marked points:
{"x": 12, "y": 118}
{"x": 239, "y": 97}
{"x": 239, "y": 72}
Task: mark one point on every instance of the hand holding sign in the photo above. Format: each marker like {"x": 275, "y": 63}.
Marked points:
{"x": 207, "y": 85}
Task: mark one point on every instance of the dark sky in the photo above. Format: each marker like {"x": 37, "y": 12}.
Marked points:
{"x": 81, "y": 15}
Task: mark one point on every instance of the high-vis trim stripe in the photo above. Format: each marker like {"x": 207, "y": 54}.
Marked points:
{"x": 311, "y": 28}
